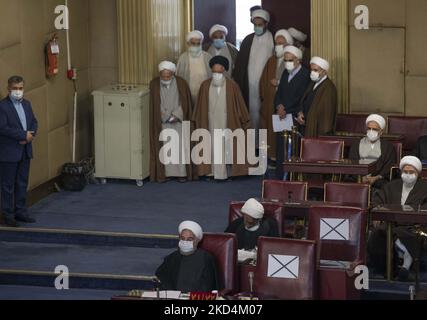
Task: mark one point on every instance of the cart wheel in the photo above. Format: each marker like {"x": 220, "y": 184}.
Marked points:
{"x": 140, "y": 183}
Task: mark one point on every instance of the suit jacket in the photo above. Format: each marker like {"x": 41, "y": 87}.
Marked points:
{"x": 12, "y": 132}
{"x": 290, "y": 93}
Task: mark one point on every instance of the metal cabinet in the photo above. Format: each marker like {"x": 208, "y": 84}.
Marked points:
{"x": 122, "y": 138}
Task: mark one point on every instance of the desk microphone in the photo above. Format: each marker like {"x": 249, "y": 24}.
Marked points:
{"x": 251, "y": 276}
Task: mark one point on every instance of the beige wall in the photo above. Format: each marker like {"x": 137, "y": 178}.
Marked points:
{"x": 388, "y": 68}
{"x": 25, "y": 26}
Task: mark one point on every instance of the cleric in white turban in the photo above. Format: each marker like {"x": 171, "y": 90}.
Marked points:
{"x": 189, "y": 269}
{"x": 372, "y": 147}
{"x": 299, "y": 39}
{"x": 170, "y": 106}
{"x": 220, "y": 46}
{"x": 255, "y": 51}
{"x": 193, "y": 65}
{"x": 254, "y": 223}
{"x": 410, "y": 190}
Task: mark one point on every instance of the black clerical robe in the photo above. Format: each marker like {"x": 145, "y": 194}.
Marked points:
{"x": 389, "y": 195}
{"x": 248, "y": 240}
{"x": 195, "y": 273}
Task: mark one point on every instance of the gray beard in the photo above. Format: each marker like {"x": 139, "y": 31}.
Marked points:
{"x": 219, "y": 83}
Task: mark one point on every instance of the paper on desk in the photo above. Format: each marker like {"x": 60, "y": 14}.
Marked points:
{"x": 244, "y": 255}
{"x": 282, "y": 125}
{"x": 173, "y": 295}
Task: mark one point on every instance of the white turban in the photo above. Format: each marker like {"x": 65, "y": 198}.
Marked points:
{"x": 378, "y": 119}
{"x": 298, "y": 35}
{"x": 285, "y": 34}
{"x": 322, "y": 63}
{"x": 167, "y": 65}
{"x": 216, "y": 28}
{"x": 253, "y": 209}
{"x": 195, "y": 35}
{"x": 413, "y": 162}
{"x": 193, "y": 227}
{"x": 295, "y": 51}
{"x": 261, "y": 14}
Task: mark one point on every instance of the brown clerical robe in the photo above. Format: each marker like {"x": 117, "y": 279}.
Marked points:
{"x": 267, "y": 94}
{"x": 157, "y": 169}
{"x": 237, "y": 118}
{"x": 320, "y": 109}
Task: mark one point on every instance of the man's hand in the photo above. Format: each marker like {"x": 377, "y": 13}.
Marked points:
{"x": 274, "y": 82}
{"x": 281, "y": 111}
{"x": 301, "y": 118}
{"x": 372, "y": 180}
{"x": 173, "y": 120}
{"x": 30, "y": 136}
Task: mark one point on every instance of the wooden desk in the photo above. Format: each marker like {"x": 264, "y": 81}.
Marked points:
{"x": 396, "y": 214}
{"x": 351, "y": 138}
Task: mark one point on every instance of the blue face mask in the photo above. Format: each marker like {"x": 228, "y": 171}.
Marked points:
{"x": 219, "y": 43}
{"x": 259, "y": 31}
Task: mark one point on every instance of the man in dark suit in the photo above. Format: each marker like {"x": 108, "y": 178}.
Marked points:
{"x": 294, "y": 83}
{"x": 18, "y": 128}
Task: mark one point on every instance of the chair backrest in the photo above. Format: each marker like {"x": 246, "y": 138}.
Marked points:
{"x": 224, "y": 248}
{"x": 286, "y": 269}
{"x": 339, "y": 231}
{"x": 348, "y": 194}
{"x": 272, "y": 210}
{"x": 411, "y": 127}
{"x": 352, "y": 123}
{"x": 398, "y": 147}
{"x": 279, "y": 190}
{"x": 322, "y": 150}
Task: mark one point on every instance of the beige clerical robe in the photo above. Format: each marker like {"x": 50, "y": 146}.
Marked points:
{"x": 237, "y": 117}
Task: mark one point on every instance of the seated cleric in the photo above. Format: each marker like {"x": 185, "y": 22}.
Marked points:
{"x": 253, "y": 225}
{"x": 189, "y": 269}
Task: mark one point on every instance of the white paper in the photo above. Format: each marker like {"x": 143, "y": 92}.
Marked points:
{"x": 173, "y": 295}
{"x": 244, "y": 255}
{"x": 283, "y": 267}
{"x": 335, "y": 229}
{"x": 54, "y": 48}
{"x": 282, "y": 125}
{"x": 335, "y": 264}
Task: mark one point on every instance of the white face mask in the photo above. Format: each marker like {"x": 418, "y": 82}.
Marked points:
{"x": 290, "y": 66}
{"x": 280, "y": 51}
{"x": 166, "y": 83}
{"x": 254, "y": 228}
{"x": 409, "y": 179}
{"x": 218, "y": 79}
{"x": 373, "y": 135}
{"x": 195, "y": 50}
{"x": 315, "y": 76}
{"x": 186, "y": 247}
{"x": 17, "y": 94}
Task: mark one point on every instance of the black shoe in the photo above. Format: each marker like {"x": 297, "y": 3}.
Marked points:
{"x": 25, "y": 219}
{"x": 10, "y": 222}
{"x": 403, "y": 275}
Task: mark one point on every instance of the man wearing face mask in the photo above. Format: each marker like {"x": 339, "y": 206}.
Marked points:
{"x": 372, "y": 147}
{"x": 254, "y": 53}
{"x": 220, "y": 46}
{"x": 318, "y": 107}
{"x": 170, "y": 106}
{"x": 409, "y": 190}
{"x": 18, "y": 129}
{"x": 221, "y": 106}
{"x": 269, "y": 83}
{"x": 189, "y": 269}
{"x": 294, "y": 82}
{"x": 193, "y": 65}
{"x": 253, "y": 225}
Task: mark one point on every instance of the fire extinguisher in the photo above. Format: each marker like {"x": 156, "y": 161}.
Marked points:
{"x": 52, "y": 54}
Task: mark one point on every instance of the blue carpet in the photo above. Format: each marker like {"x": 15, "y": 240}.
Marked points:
{"x": 79, "y": 259}
{"x": 153, "y": 209}
{"x": 39, "y": 293}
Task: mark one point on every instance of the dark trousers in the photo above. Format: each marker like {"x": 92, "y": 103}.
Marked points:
{"x": 14, "y": 184}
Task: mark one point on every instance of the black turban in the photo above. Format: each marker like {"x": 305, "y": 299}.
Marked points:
{"x": 220, "y": 60}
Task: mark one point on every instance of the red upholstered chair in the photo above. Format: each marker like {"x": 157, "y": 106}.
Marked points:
{"x": 279, "y": 190}
{"x": 272, "y": 210}
{"x": 341, "y": 234}
{"x": 348, "y": 194}
{"x": 322, "y": 150}
{"x": 411, "y": 127}
{"x": 352, "y": 123}
{"x": 224, "y": 248}
{"x": 286, "y": 269}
